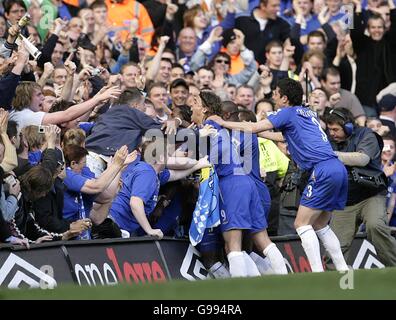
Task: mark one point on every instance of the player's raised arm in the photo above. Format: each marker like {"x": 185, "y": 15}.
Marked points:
{"x": 243, "y": 126}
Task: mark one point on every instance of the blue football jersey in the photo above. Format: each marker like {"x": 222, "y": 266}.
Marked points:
{"x": 307, "y": 142}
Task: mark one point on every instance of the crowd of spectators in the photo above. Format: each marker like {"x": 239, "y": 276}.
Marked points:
{"x": 74, "y": 117}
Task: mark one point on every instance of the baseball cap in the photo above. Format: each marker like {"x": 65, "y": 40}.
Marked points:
{"x": 179, "y": 82}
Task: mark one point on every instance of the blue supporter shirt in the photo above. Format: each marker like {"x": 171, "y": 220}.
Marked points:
{"x": 307, "y": 142}
{"x": 142, "y": 181}
{"x": 34, "y": 157}
{"x": 72, "y": 204}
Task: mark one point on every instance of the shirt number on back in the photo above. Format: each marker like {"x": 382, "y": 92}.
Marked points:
{"x": 324, "y": 135}
{"x": 309, "y": 191}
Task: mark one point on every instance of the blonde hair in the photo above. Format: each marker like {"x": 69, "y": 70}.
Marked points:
{"x": 34, "y": 139}
{"x": 23, "y": 95}
{"x": 73, "y": 137}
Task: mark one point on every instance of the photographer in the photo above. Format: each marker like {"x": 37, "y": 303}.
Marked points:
{"x": 360, "y": 149}
{"x": 10, "y": 193}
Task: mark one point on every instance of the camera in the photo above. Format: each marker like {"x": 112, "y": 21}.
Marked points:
{"x": 96, "y": 72}
{"x": 10, "y": 180}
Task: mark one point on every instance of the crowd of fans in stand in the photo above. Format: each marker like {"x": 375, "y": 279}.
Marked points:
{"x": 73, "y": 120}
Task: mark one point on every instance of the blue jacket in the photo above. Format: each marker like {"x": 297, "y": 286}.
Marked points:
{"x": 8, "y": 86}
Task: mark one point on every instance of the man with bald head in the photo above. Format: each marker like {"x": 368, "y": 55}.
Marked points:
{"x": 186, "y": 45}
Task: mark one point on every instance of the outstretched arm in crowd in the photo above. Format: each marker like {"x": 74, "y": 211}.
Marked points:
{"x": 9, "y": 83}
{"x": 104, "y": 200}
{"x": 50, "y": 44}
{"x": 10, "y": 160}
{"x": 78, "y": 110}
{"x": 204, "y": 51}
{"x": 95, "y": 186}
{"x": 357, "y": 32}
{"x": 270, "y": 135}
{"x": 358, "y": 159}
{"x": 155, "y": 64}
{"x": 67, "y": 89}
{"x": 253, "y": 127}
{"x": 180, "y": 174}
{"x": 248, "y": 60}
{"x": 392, "y": 30}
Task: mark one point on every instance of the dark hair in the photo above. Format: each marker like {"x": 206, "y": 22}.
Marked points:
{"x": 98, "y": 4}
{"x": 388, "y": 137}
{"x": 229, "y": 106}
{"x": 292, "y": 90}
{"x": 168, "y": 50}
{"x": 129, "y": 64}
{"x": 273, "y": 44}
{"x": 130, "y": 96}
{"x": 264, "y": 100}
{"x": 74, "y": 152}
{"x": 167, "y": 60}
{"x": 60, "y": 105}
{"x": 177, "y": 65}
{"x": 330, "y": 71}
{"x": 318, "y": 34}
{"x": 218, "y": 55}
{"x": 246, "y": 115}
{"x": 155, "y": 85}
{"x": 376, "y": 16}
{"x": 36, "y": 181}
{"x": 177, "y": 83}
{"x": 211, "y": 101}
{"x": 207, "y": 69}
{"x": 339, "y": 116}
{"x": 9, "y": 3}
{"x": 184, "y": 111}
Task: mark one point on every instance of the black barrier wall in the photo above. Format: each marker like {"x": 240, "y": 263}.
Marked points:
{"x": 141, "y": 260}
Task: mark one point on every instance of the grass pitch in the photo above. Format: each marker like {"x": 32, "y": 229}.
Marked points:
{"x": 364, "y": 284}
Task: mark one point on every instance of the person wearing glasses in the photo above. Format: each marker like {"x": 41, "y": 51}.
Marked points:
{"x": 221, "y": 63}
{"x": 14, "y": 10}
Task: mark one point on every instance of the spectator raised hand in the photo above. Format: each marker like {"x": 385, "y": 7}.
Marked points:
{"x": 51, "y": 132}
{"x": 22, "y": 59}
{"x": 59, "y": 25}
{"x": 13, "y": 32}
{"x": 120, "y": 156}
{"x": 110, "y": 93}
{"x": 48, "y": 69}
{"x": 215, "y": 35}
{"x": 324, "y": 15}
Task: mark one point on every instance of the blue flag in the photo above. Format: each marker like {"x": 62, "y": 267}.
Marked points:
{"x": 207, "y": 211}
